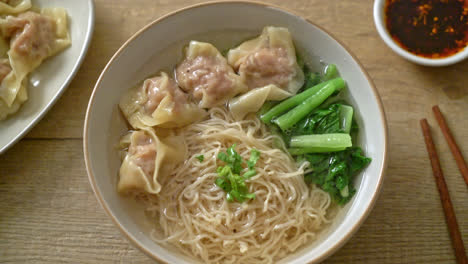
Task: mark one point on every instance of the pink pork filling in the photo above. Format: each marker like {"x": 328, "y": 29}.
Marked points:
{"x": 32, "y": 34}
{"x": 267, "y": 66}
{"x": 205, "y": 75}
{"x": 143, "y": 149}
{"x": 156, "y": 90}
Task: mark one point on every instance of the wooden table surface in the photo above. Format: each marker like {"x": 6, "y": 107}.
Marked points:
{"x": 48, "y": 212}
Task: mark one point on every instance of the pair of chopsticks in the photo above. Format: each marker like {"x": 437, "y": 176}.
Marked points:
{"x": 450, "y": 217}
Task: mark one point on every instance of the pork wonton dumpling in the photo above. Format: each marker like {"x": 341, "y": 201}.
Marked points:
{"x": 33, "y": 37}
{"x": 14, "y": 6}
{"x": 159, "y": 102}
{"x": 206, "y": 74}
{"x": 148, "y": 158}
{"x": 269, "y": 59}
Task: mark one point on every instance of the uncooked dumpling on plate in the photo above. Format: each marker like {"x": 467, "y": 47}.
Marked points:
{"x": 21, "y": 96}
{"x": 206, "y": 74}
{"x": 269, "y": 59}
{"x": 30, "y": 38}
{"x": 159, "y": 102}
{"x": 147, "y": 157}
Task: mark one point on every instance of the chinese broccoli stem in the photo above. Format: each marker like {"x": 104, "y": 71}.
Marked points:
{"x": 300, "y": 151}
{"x": 298, "y": 99}
{"x": 330, "y": 72}
{"x": 287, "y": 120}
{"x": 325, "y": 142}
{"x": 346, "y": 117}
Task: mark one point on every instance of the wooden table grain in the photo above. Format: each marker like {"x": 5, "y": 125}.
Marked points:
{"x": 48, "y": 212}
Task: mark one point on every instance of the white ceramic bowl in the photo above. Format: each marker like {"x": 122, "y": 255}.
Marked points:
{"x": 51, "y": 79}
{"x": 147, "y": 52}
{"x": 379, "y": 20}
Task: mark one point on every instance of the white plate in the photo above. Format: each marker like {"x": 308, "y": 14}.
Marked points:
{"x": 49, "y": 81}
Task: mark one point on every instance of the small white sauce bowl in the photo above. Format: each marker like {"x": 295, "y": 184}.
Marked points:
{"x": 379, "y": 20}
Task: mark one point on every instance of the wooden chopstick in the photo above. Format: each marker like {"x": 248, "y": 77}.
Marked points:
{"x": 450, "y": 217}
{"x": 451, "y": 142}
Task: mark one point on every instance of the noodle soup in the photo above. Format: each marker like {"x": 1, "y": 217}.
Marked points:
{"x": 218, "y": 172}
{"x": 140, "y": 59}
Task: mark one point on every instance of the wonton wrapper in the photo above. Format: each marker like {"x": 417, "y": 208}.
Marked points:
{"x": 206, "y": 74}
{"x": 22, "y": 64}
{"x": 170, "y": 151}
{"x": 4, "y": 47}
{"x": 277, "y": 39}
{"x": 253, "y": 100}
{"x": 20, "y": 98}
{"x": 14, "y": 7}
{"x": 174, "y": 110}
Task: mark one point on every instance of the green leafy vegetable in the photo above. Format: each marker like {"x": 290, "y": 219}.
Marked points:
{"x": 254, "y": 156}
{"x": 230, "y": 178}
{"x": 337, "y": 140}
{"x": 336, "y": 118}
{"x": 297, "y": 99}
{"x": 335, "y": 172}
{"x": 201, "y": 158}
{"x": 300, "y": 151}
{"x": 304, "y": 108}
{"x": 311, "y": 79}
{"x": 319, "y": 127}
{"x": 232, "y": 159}
{"x": 233, "y": 184}
{"x": 320, "y": 121}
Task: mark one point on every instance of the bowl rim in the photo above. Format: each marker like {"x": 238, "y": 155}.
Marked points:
{"x": 337, "y": 245}
{"x": 379, "y": 17}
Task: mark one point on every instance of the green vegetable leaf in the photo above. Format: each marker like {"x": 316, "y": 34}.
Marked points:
{"x": 302, "y": 122}
{"x": 254, "y": 156}
{"x": 221, "y": 182}
{"x": 250, "y": 174}
{"x": 200, "y": 158}
{"x": 235, "y": 158}
{"x": 230, "y": 178}
{"x": 321, "y": 121}
{"x": 249, "y": 196}
{"x": 311, "y": 79}
{"x": 335, "y": 172}
{"x": 358, "y": 160}
{"x": 229, "y": 197}
{"x": 223, "y": 157}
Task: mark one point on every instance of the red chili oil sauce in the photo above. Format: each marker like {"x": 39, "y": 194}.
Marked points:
{"x": 428, "y": 28}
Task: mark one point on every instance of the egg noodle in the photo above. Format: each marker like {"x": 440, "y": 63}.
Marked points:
{"x": 191, "y": 212}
